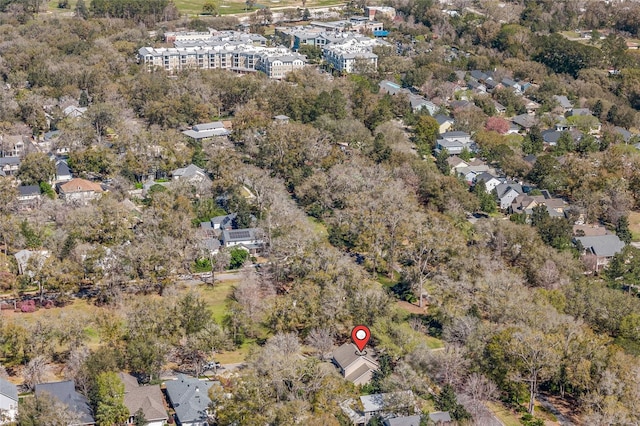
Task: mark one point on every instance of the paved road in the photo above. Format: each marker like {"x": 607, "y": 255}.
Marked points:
{"x": 549, "y": 406}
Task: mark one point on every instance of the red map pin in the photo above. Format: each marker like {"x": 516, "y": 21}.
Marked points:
{"x": 360, "y": 336}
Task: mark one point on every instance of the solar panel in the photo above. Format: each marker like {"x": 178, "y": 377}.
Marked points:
{"x": 240, "y": 234}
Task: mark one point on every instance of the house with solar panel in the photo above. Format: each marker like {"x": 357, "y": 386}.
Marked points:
{"x": 250, "y": 238}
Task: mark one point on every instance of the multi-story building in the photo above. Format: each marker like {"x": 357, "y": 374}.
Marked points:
{"x": 352, "y": 54}
{"x": 234, "y": 51}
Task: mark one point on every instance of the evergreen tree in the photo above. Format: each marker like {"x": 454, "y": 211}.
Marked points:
{"x": 622, "y": 229}
{"x": 81, "y": 11}
{"x": 84, "y": 98}
{"x": 441, "y": 162}
{"x": 597, "y": 109}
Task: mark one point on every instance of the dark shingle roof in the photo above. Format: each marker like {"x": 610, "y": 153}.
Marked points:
{"x": 8, "y": 389}
{"x": 189, "y": 398}
{"x": 65, "y": 392}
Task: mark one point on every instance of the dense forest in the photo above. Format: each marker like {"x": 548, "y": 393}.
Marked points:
{"x": 357, "y": 215}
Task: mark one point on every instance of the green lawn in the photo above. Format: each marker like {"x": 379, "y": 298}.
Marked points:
{"x": 505, "y": 415}
{"x": 216, "y": 297}
{"x": 226, "y": 7}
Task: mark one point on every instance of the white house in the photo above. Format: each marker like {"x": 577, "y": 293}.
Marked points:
{"x": 8, "y": 402}
{"x": 354, "y": 367}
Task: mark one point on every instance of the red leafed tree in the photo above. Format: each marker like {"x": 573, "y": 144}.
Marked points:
{"x": 497, "y": 124}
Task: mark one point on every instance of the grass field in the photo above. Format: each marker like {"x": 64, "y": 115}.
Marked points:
{"x": 634, "y": 225}
{"x": 225, "y": 7}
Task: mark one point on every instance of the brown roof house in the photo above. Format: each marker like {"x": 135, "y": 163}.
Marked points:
{"x": 79, "y": 191}
{"x": 149, "y": 399}
{"x": 358, "y": 369}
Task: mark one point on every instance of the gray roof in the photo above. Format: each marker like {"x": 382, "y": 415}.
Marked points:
{"x": 602, "y": 245}
{"x": 455, "y": 135}
{"x": 626, "y": 135}
{"x": 580, "y": 111}
{"x": 281, "y": 117}
{"x": 240, "y": 235}
{"x": 204, "y": 134}
{"x": 504, "y": 188}
{"x": 551, "y": 136}
{"x": 208, "y": 126}
{"x": 9, "y": 161}
{"x": 189, "y": 171}
{"x": 440, "y": 416}
{"x": 62, "y": 169}
{"x": 403, "y": 421}
{"x": 478, "y": 75}
{"x": 223, "y": 221}
{"x": 486, "y": 177}
{"x": 563, "y": 101}
{"x": 8, "y": 389}
{"x": 28, "y": 190}
{"x": 378, "y": 402}
{"x": 65, "y": 392}
{"x": 346, "y": 355}
{"x": 525, "y": 120}
{"x": 441, "y": 119}
{"x": 189, "y": 398}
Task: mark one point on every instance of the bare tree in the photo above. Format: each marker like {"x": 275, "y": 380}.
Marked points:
{"x": 321, "y": 339}
{"x": 35, "y": 371}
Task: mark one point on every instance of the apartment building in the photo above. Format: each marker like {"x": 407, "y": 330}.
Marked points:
{"x": 352, "y": 54}
{"x": 230, "y": 50}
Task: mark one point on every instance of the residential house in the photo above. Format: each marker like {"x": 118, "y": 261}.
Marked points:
{"x": 219, "y": 222}
{"x": 531, "y": 106}
{"x": 192, "y": 174}
{"x": 63, "y": 172}
{"x": 564, "y": 103}
{"x": 440, "y": 418}
{"x": 403, "y": 421}
{"x": 419, "y": 103}
{"x": 506, "y": 193}
{"x": 525, "y": 203}
{"x": 387, "y": 404}
{"x": 500, "y": 109}
{"x": 28, "y": 195}
{"x": 624, "y": 133}
{"x": 551, "y": 136}
{"x": 29, "y": 261}
{"x": 356, "y": 368}
{"x": 525, "y": 121}
{"x": 445, "y": 122}
{"x": 9, "y": 165}
{"x": 205, "y": 131}
{"x": 249, "y": 238}
{"x": 189, "y": 398}
{"x": 478, "y": 75}
{"x": 602, "y": 247}
{"x": 476, "y": 86}
{"x": 8, "y": 401}
{"x": 281, "y": 119}
{"x": 149, "y": 399}
{"x": 79, "y": 191}
{"x": 579, "y": 111}
{"x": 65, "y": 392}
{"x": 490, "y": 181}
{"x": 514, "y": 129}
{"x": 74, "y": 111}
{"x": 511, "y": 84}
{"x": 492, "y": 85}
{"x": 456, "y": 163}
{"x": 13, "y": 145}
{"x": 455, "y": 143}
